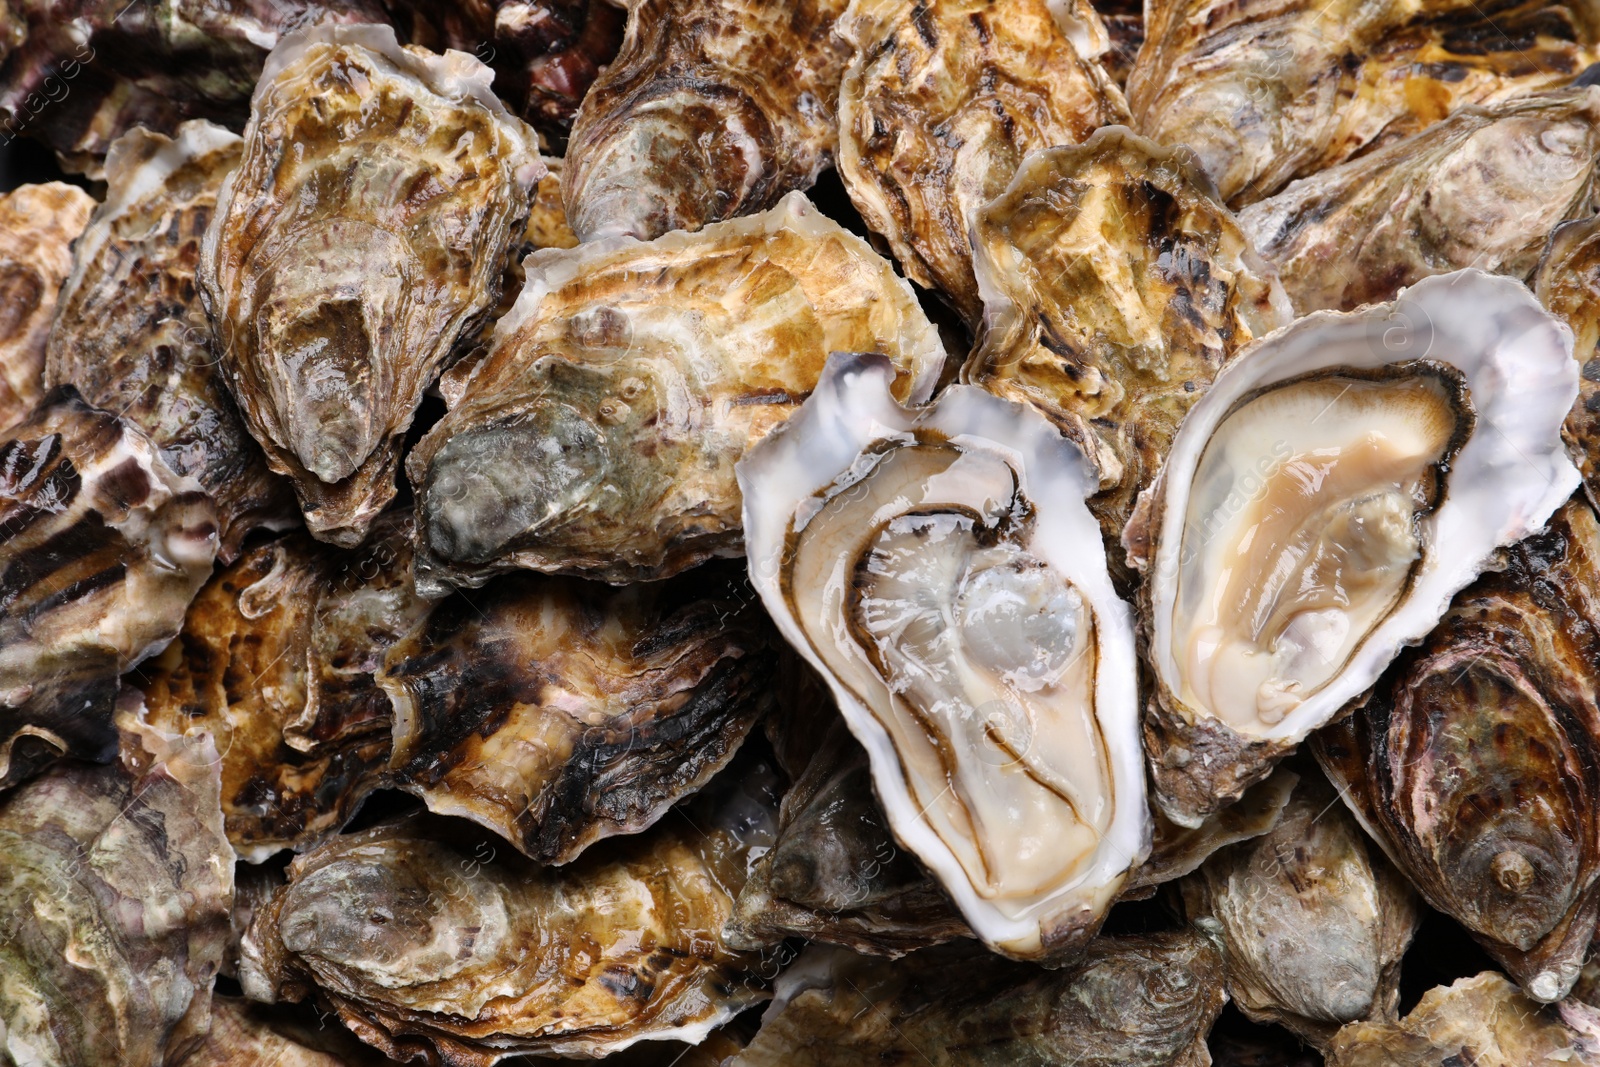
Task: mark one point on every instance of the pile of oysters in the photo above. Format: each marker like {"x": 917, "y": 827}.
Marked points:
{"x": 800, "y": 533}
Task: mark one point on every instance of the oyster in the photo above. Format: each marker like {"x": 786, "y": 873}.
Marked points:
{"x": 130, "y": 333}
{"x": 1124, "y": 22}
{"x": 1265, "y": 93}
{"x": 250, "y": 1035}
{"x": 37, "y": 226}
{"x": 710, "y": 111}
{"x": 599, "y": 434}
{"x": 936, "y": 567}
{"x": 101, "y": 548}
{"x": 277, "y": 660}
{"x": 360, "y": 237}
{"x": 1481, "y": 189}
{"x": 549, "y": 52}
{"x": 1476, "y": 761}
{"x": 1178, "y": 850}
{"x": 1568, "y": 284}
{"x": 940, "y": 104}
{"x": 1322, "y": 503}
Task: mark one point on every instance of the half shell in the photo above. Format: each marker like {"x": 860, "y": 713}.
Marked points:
{"x": 37, "y": 226}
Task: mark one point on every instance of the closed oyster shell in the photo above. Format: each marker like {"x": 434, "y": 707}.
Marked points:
{"x": 1568, "y": 284}
{"x": 599, "y": 434}
{"x": 1476, "y": 761}
{"x": 37, "y": 226}
{"x": 940, "y": 104}
{"x": 130, "y": 333}
{"x": 362, "y": 234}
{"x": 102, "y": 547}
{"x": 1178, "y": 850}
{"x": 1268, "y": 92}
{"x": 1481, "y": 189}
{"x": 244, "y": 1034}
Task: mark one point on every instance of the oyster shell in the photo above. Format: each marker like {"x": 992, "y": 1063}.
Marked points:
{"x": 936, "y": 568}
{"x": 1322, "y": 503}
{"x": 599, "y": 434}
{"x": 1179, "y": 850}
{"x": 940, "y": 104}
{"x": 37, "y": 226}
{"x": 549, "y": 52}
{"x": 710, "y": 111}
{"x": 1265, "y": 93}
{"x": 360, "y": 237}
{"x": 250, "y": 1035}
{"x": 102, "y": 547}
{"x": 1568, "y": 284}
{"x": 1476, "y": 761}
{"x": 1124, "y": 22}
{"x": 1481, "y": 189}
{"x": 130, "y": 333}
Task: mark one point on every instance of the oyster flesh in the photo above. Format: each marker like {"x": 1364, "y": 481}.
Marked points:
{"x": 1321, "y": 504}
{"x": 1476, "y": 761}
{"x": 940, "y": 104}
{"x": 362, "y": 234}
{"x": 598, "y": 435}
{"x": 130, "y": 333}
{"x": 37, "y": 226}
{"x": 1568, "y": 284}
{"x": 937, "y": 568}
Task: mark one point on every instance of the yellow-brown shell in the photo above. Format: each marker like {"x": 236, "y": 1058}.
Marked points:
{"x": 37, "y": 226}
{"x": 1568, "y": 284}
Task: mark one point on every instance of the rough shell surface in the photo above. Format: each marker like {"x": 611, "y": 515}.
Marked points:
{"x": 1178, "y": 850}
{"x": 1568, "y": 284}
{"x": 37, "y": 226}
{"x": 244, "y": 1034}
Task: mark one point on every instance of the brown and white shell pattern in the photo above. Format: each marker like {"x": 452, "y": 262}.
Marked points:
{"x": 37, "y": 226}
{"x": 1568, "y": 284}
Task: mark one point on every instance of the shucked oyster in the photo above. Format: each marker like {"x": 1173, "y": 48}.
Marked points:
{"x": 599, "y": 434}
{"x": 37, "y": 227}
{"x": 362, "y": 234}
{"x": 1476, "y": 761}
{"x": 940, "y": 104}
{"x": 1322, "y": 503}
{"x": 1568, "y": 284}
{"x": 130, "y": 333}
{"x": 712, "y": 109}
{"x": 938, "y": 569}
{"x": 1481, "y": 189}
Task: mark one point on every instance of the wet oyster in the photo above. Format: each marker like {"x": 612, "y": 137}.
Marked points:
{"x": 935, "y": 566}
{"x": 37, "y": 226}
{"x": 1568, "y": 284}
{"x": 1132, "y": 1002}
{"x": 1481, "y": 189}
{"x": 1124, "y": 21}
{"x": 549, "y": 52}
{"x": 1476, "y": 761}
{"x": 277, "y": 660}
{"x": 250, "y": 1035}
{"x": 599, "y": 434}
{"x": 710, "y": 111}
{"x": 1179, "y": 850}
{"x": 130, "y": 333}
{"x": 1321, "y": 504}
{"x": 102, "y": 547}
{"x": 362, "y": 234}
{"x": 940, "y": 104}
{"x": 1265, "y": 93}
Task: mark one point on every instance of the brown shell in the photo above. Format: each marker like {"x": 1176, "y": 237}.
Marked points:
{"x": 244, "y": 1034}
{"x": 940, "y": 104}
{"x": 549, "y": 52}
{"x": 1568, "y": 284}
{"x": 1178, "y": 850}
{"x": 37, "y": 226}
{"x": 1476, "y": 761}
{"x": 1124, "y": 20}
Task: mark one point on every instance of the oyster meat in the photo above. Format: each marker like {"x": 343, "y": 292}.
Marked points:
{"x": 940, "y": 104}
{"x": 37, "y": 226}
{"x": 1481, "y": 189}
{"x": 937, "y": 567}
{"x": 598, "y": 435}
{"x": 1321, "y": 504}
{"x": 1568, "y": 284}
{"x": 130, "y": 333}
{"x": 362, "y": 234}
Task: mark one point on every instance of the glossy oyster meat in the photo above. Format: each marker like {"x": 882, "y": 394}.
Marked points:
{"x": 37, "y": 226}
{"x": 1115, "y": 287}
{"x": 936, "y": 567}
{"x": 940, "y": 104}
{"x": 130, "y": 333}
{"x": 362, "y": 234}
{"x": 1476, "y": 761}
{"x": 1322, "y": 503}
{"x": 710, "y": 111}
{"x": 599, "y": 434}
{"x": 1568, "y": 284}
{"x": 1481, "y": 189}
{"x": 102, "y": 547}
{"x": 1265, "y": 93}
{"x": 277, "y": 660}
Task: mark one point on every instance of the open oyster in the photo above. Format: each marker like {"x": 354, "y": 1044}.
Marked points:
{"x": 362, "y": 234}
{"x": 1568, "y": 284}
{"x": 1268, "y": 92}
{"x": 1481, "y": 189}
{"x": 599, "y": 434}
{"x": 130, "y": 333}
{"x": 1322, "y": 503}
{"x": 938, "y": 569}
{"x": 712, "y": 109}
{"x": 940, "y": 104}
{"x": 37, "y": 226}
{"x": 1474, "y": 761}
{"x": 101, "y": 548}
